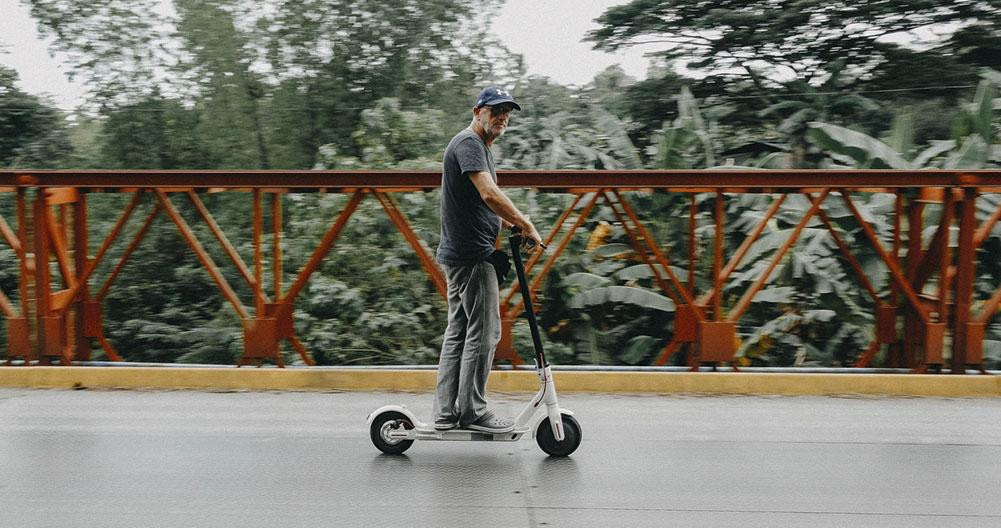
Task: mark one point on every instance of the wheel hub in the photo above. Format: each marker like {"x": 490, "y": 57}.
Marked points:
{"x": 384, "y": 432}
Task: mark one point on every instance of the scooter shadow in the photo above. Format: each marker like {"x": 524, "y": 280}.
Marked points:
{"x": 385, "y": 466}
{"x": 391, "y": 462}
{"x": 561, "y": 469}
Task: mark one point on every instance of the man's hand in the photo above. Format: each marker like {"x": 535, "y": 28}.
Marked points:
{"x": 531, "y": 240}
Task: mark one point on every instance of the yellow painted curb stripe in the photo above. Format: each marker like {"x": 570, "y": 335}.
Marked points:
{"x": 502, "y": 381}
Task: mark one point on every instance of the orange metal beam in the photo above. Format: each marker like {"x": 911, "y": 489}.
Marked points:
{"x": 48, "y": 338}
{"x": 73, "y": 186}
{"x": 557, "y": 226}
{"x": 852, "y": 261}
{"x": 931, "y": 259}
{"x": 321, "y": 251}
{"x": 276, "y": 226}
{"x": 945, "y": 257}
{"x": 257, "y": 285}
{"x": 5, "y": 304}
{"x": 228, "y": 247}
{"x": 891, "y": 263}
{"x": 81, "y": 281}
{"x": 22, "y": 229}
{"x": 128, "y": 252}
{"x": 989, "y": 309}
{"x": 658, "y": 255}
{"x": 639, "y": 243}
{"x": 202, "y": 255}
{"x": 965, "y": 275}
{"x": 59, "y": 247}
{"x": 9, "y": 236}
{"x": 693, "y": 209}
{"x": 720, "y": 217}
{"x": 745, "y": 301}
{"x": 741, "y": 252}
{"x": 80, "y": 344}
{"x": 301, "y": 349}
{"x": 867, "y": 356}
{"x": 427, "y": 261}
{"x": 564, "y": 242}
{"x": 898, "y": 215}
{"x": 669, "y": 350}
{"x": 986, "y": 227}
{"x": 6, "y": 307}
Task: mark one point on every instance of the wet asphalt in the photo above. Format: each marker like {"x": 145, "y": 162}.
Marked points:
{"x": 261, "y": 459}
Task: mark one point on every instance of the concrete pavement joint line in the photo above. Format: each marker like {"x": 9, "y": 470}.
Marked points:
{"x": 503, "y": 381}
{"x": 828, "y": 442}
{"x": 769, "y": 512}
{"x": 526, "y": 492}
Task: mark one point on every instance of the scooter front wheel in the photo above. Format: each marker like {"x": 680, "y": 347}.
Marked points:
{"x": 382, "y": 425}
{"x": 571, "y": 437}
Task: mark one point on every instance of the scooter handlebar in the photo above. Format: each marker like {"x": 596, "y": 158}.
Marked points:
{"x": 517, "y": 240}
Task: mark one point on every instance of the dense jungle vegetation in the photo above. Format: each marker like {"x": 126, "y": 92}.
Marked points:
{"x": 337, "y": 84}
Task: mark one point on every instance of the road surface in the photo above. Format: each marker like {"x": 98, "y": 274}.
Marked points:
{"x": 260, "y": 459}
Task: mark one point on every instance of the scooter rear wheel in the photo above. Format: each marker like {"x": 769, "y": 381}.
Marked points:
{"x": 571, "y": 437}
{"x": 379, "y": 432}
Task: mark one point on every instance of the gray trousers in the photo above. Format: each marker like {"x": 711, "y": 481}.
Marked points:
{"x": 467, "y": 352}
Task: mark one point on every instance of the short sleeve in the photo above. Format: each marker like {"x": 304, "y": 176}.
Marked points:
{"x": 471, "y": 156}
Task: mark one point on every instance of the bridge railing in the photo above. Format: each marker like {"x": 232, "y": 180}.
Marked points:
{"x": 929, "y": 317}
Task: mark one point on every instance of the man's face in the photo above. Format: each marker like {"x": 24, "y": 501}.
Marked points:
{"x": 494, "y": 119}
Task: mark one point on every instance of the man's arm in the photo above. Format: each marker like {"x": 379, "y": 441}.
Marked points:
{"x": 499, "y": 203}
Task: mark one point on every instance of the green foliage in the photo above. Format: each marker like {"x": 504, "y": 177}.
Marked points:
{"x": 688, "y": 142}
{"x": 865, "y": 151}
{"x": 558, "y": 130}
{"x": 33, "y": 134}
{"x": 620, "y": 295}
{"x": 153, "y": 133}
{"x": 389, "y": 136}
{"x": 804, "y": 37}
{"x": 370, "y": 302}
{"x": 366, "y": 84}
{"x": 973, "y": 146}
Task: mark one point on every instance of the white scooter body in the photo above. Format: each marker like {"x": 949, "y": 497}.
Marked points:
{"x": 526, "y": 423}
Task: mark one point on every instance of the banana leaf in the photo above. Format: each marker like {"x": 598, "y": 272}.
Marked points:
{"x": 778, "y": 294}
{"x": 972, "y": 154}
{"x": 937, "y": 148}
{"x": 584, "y": 281}
{"x": 610, "y": 295}
{"x": 642, "y": 271}
{"x": 867, "y": 151}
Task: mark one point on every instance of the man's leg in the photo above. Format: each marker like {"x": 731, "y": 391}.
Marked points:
{"x": 449, "y": 361}
{"x": 481, "y": 303}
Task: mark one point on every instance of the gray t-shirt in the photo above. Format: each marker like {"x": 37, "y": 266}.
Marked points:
{"x": 468, "y": 227}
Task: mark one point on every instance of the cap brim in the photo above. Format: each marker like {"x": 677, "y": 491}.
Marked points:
{"x": 502, "y": 101}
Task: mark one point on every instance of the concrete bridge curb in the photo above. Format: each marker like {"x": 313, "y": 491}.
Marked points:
{"x": 422, "y": 380}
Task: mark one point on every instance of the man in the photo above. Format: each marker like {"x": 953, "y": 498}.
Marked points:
{"x": 473, "y": 209}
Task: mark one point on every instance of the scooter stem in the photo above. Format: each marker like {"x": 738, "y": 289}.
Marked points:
{"x": 547, "y": 390}
{"x": 526, "y": 296}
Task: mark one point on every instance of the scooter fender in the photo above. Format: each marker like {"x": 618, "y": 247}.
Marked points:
{"x": 398, "y": 408}
{"x": 542, "y": 416}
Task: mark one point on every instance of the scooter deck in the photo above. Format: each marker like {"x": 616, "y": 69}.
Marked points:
{"x": 428, "y": 432}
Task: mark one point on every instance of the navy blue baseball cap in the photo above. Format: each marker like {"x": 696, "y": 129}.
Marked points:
{"x": 492, "y": 95}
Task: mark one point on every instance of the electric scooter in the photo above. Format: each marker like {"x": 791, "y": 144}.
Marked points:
{"x": 394, "y": 428}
